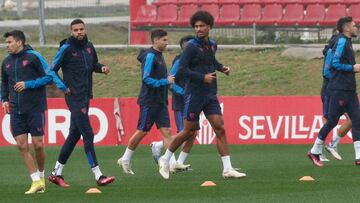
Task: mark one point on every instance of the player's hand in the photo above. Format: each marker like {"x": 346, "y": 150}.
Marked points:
{"x": 226, "y": 70}
{"x": 6, "y": 107}
{"x": 67, "y": 92}
{"x": 356, "y": 68}
{"x": 210, "y": 77}
{"x": 19, "y": 86}
{"x": 105, "y": 70}
{"x": 171, "y": 79}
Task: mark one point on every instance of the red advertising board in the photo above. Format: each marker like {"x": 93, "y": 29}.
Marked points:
{"x": 248, "y": 120}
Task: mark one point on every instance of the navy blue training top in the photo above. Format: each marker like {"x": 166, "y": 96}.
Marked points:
{"x": 28, "y": 66}
{"x": 198, "y": 59}
{"x": 154, "y": 86}
{"x": 343, "y": 59}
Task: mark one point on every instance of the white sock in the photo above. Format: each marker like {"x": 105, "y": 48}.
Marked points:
{"x": 173, "y": 160}
{"x": 335, "y": 141}
{"x": 58, "y": 169}
{"x": 182, "y": 157}
{"x": 167, "y": 156}
{"x": 97, "y": 172}
{"x": 317, "y": 147}
{"x": 159, "y": 144}
{"x": 41, "y": 173}
{"x": 226, "y": 162}
{"x": 35, "y": 176}
{"x": 127, "y": 155}
{"x": 357, "y": 149}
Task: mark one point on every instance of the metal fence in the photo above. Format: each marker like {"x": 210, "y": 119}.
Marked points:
{"x": 47, "y": 21}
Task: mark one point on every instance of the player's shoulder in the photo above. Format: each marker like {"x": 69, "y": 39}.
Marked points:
{"x": 342, "y": 41}
{"x": 212, "y": 42}
{"x": 90, "y": 44}
{"x": 194, "y": 42}
{"x": 7, "y": 58}
{"x": 30, "y": 53}
{"x": 177, "y": 58}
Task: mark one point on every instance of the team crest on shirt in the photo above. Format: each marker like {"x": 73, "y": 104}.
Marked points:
{"x": 84, "y": 110}
{"x": 88, "y": 50}
{"x": 341, "y": 102}
{"x": 192, "y": 116}
{"x": 74, "y": 53}
{"x": 7, "y": 65}
{"x": 25, "y": 63}
{"x": 39, "y": 129}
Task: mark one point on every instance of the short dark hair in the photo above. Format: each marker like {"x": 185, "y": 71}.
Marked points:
{"x": 76, "y": 21}
{"x": 156, "y": 34}
{"x": 342, "y": 22}
{"x": 17, "y": 35}
{"x": 185, "y": 39}
{"x": 203, "y": 16}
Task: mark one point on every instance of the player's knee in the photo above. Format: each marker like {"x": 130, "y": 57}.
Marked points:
{"x": 38, "y": 146}
{"x": 88, "y": 140}
{"x": 23, "y": 147}
{"x": 192, "y": 134}
{"x": 219, "y": 130}
{"x": 166, "y": 132}
{"x": 331, "y": 123}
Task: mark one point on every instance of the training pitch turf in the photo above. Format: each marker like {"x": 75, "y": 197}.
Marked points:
{"x": 272, "y": 176}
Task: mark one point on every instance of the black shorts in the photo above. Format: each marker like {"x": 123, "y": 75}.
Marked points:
{"x": 194, "y": 105}
{"x": 33, "y": 123}
{"x": 154, "y": 114}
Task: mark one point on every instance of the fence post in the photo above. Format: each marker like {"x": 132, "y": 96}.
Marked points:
{"x": 19, "y": 9}
{"x": 41, "y": 23}
{"x": 254, "y": 33}
{"x": 129, "y": 33}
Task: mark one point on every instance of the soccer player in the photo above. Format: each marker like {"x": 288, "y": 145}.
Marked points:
{"x": 342, "y": 90}
{"x": 78, "y": 60}
{"x": 178, "y": 103}
{"x": 153, "y": 97}
{"x": 198, "y": 65}
{"x": 24, "y": 75}
{"x": 342, "y": 131}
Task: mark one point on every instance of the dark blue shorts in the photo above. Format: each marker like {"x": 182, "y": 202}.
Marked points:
{"x": 325, "y": 97}
{"x": 194, "y": 105}
{"x": 154, "y": 114}
{"x": 178, "y": 102}
{"x": 33, "y": 123}
{"x": 178, "y": 115}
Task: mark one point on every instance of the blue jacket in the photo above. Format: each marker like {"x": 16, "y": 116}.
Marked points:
{"x": 154, "y": 88}
{"x": 343, "y": 59}
{"x": 198, "y": 59}
{"x": 327, "y": 52}
{"x": 28, "y": 66}
{"x": 77, "y": 60}
{"x": 179, "y": 85}
{"x": 177, "y": 89}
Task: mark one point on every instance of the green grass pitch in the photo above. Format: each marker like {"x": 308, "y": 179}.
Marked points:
{"x": 272, "y": 176}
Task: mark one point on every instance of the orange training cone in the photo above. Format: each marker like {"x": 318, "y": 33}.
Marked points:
{"x": 208, "y": 184}
{"x": 307, "y": 178}
{"x": 93, "y": 191}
